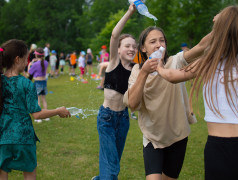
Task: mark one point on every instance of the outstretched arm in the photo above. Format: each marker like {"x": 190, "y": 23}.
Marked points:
{"x": 45, "y": 113}
{"x": 197, "y": 50}
{"x": 178, "y": 75}
{"x": 117, "y": 31}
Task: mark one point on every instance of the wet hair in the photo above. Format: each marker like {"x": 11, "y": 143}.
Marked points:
{"x": 222, "y": 50}
{"x": 124, "y": 36}
{"x": 42, "y": 57}
{"x": 9, "y": 51}
{"x": 142, "y": 39}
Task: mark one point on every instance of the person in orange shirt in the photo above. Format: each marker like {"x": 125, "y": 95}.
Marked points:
{"x": 73, "y": 58}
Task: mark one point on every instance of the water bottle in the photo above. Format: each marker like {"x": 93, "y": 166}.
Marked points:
{"x": 142, "y": 9}
{"x": 157, "y": 54}
{"x": 75, "y": 111}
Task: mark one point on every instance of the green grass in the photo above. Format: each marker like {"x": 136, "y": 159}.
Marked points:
{"x": 69, "y": 147}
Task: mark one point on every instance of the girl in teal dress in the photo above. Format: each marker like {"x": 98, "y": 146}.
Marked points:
{"x": 18, "y": 101}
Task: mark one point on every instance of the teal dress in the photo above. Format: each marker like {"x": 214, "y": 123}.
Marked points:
{"x": 19, "y": 101}
{"x": 16, "y": 128}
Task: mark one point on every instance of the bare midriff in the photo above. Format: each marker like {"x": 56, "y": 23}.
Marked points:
{"x": 222, "y": 129}
{"x": 113, "y": 100}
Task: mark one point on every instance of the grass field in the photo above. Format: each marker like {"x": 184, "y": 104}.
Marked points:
{"x": 69, "y": 148}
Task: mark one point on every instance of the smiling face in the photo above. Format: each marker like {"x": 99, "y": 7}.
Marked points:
{"x": 127, "y": 49}
{"x": 154, "y": 40}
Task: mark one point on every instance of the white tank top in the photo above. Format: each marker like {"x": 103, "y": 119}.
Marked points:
{"x": 221, "y": 103}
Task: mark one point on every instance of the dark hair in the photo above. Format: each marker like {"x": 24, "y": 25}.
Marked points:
{"x": 10, "y": 50}
{"x": 42, "y": 57}
{"x": 124, "y": 36}
{"x": 142, "y": 39}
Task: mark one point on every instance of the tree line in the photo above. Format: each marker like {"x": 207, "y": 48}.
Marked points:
{"x": 77, "y": 25}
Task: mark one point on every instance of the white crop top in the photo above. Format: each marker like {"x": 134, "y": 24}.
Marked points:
{"x": 229, "y": 116}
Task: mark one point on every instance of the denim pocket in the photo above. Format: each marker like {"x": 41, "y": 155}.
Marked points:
{"x": 104, "y": 115}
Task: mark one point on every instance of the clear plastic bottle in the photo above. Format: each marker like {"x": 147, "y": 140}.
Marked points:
{"x": 74, "y": 111}
{"x": 142, "y": 9}
{"x": 157, "y": 54}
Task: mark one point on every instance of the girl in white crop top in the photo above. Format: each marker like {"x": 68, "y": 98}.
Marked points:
{"x": 217, "y": 71}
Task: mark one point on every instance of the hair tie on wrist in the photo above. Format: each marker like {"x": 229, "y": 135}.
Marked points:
{"x": 1, "y": 49}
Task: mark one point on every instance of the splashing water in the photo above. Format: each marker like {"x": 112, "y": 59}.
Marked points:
{"x": 89, "y": 112}
{"x": 84, "y": 113}
{"x": 155, "y": 22}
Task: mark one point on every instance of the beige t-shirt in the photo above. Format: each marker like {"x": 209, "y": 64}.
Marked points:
{"x": 164, "y": 114}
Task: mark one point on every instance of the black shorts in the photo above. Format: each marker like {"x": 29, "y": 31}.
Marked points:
{"x": 167, "y": 160}
{"x": 73, "y": 66}
{"x": 57, "y": 65}
{"x": 47, "y": 58}
{"x": 221, "y": 158}
{"x": 89, "y": 62}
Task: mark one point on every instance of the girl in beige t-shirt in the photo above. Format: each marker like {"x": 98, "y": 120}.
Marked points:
{"x": 164, "y": 114}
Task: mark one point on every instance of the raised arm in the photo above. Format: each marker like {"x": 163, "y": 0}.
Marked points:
{"x": 117, "y": 31}
{"x": 197, "y": 50}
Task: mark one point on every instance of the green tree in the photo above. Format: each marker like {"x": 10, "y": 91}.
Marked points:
{"x": 132, "y": 27}
{"x": 94, "y": 18}
{"x": 12, "y": 22}
{"x": 53, "y": 21}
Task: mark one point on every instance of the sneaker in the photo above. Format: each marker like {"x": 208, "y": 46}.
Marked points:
{"x": 38, "y": 120}
{"x": 133, "y": 116}
{"x": 46, "y": 119}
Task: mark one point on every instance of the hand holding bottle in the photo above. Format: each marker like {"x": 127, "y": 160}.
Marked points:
{"x": 63, "y": 112}
{"x": 157, "y": 54}
{"x": 142, "y": 9}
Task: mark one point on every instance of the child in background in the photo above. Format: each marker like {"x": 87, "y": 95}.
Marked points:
{"x": 81, "y": 64}
{"x": 89, "y": 60}
{"x": 104, "y": 57}
{"x": 19, "y": 100}
{"x": 53, "y": 60}
{"x": 101, "y": 74}
{"x": 62, "y": 62}
{"x": 31, "y": 56}
{"x": 73, "y": 58}
{"x": 38, "y": 69}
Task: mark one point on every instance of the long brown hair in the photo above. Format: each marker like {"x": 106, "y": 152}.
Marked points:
{"x": 9, "y": 51}
{"x": 222, "y": 51}
{"x": 142, "y": 39}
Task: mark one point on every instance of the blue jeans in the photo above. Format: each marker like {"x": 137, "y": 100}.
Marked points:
{"x": 112, "y": 129}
